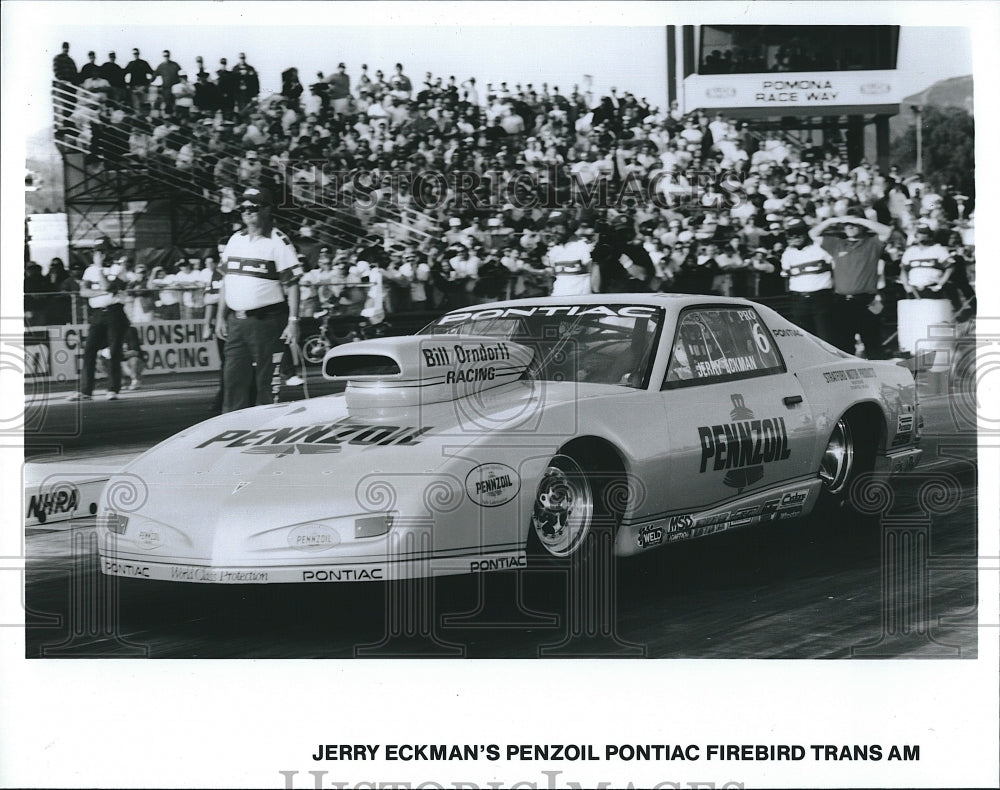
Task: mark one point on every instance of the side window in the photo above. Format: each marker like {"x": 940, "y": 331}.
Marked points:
{"x": 715, "y": 344}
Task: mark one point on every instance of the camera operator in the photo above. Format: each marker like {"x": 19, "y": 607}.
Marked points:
{"x": 103, "y": 286}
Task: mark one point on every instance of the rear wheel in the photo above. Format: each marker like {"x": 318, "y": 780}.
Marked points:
{"x": 850, "y": 452}
{"x": 837, "y": 465}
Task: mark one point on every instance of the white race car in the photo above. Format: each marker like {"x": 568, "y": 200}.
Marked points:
{"x": 516, "y": 432}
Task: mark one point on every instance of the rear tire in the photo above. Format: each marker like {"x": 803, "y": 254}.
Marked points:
{"x": 850, "y": 452}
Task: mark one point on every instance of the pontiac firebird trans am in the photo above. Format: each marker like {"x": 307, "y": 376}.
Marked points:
{"x": 517, "y": 433}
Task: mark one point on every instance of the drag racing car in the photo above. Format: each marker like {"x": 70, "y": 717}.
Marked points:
{"x": 513, "y": 434}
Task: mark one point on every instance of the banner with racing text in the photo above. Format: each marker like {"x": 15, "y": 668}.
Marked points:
{"x": 55, "y": 353}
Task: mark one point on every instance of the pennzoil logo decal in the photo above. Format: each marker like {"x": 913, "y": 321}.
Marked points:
{"x": 491, "y": 485}
{"x": 314, "y": 439}
{"x": 743, "y": 446}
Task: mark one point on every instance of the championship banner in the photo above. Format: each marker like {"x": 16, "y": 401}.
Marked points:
{"x": 56, "y": 352}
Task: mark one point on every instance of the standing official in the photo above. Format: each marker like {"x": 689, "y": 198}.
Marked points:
{"x": 855, "y": 244}
{"x": 259, "y": 298}
{"x": 809, "y": 269}
{"x": 103, "y": 289}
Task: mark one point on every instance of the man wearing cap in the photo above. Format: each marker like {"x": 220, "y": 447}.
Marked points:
{"x": 926, "y": 267}
{"x": 260, "y": 302}
{"x": 90, "y": 70}
{"x": 809, "y": 269}
{"x": 855, "y": 244}
{"x": 247, "y": 82}
{"x": 138, "y": 75}
{"x": 115, "y": 75}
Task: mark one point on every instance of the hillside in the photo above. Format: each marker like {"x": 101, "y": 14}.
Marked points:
{"x": 954, "y": 92}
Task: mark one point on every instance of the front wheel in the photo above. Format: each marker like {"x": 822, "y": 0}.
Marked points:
{"x": 562, "y": 514}
{"x": 575, "y": 513}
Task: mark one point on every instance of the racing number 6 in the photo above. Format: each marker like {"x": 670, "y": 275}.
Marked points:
{"x": 761, "y": 339}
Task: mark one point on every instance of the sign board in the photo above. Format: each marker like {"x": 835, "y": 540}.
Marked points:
{"x": 785, "y": 93}
{"x": 55, "y": 353}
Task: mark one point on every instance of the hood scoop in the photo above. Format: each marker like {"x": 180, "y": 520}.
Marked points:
{"x": 423, "y": 369}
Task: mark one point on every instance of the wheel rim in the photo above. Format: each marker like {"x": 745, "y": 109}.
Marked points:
{"x": 314, "y": 350}
{"x": 838, "y": 458}
{"x": 564, "y": 507}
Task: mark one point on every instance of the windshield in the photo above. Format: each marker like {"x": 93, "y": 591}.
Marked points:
{"x": 604, "y": 344}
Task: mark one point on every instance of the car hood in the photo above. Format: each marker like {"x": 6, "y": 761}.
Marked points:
{"x": 299, "y": 443}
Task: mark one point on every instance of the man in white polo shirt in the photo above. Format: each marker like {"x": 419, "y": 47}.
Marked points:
{"x": 569, "y": 259}
{"x": 926, "y": 267}
{"x": 260, "y": 303}
{"x": 103, "y": 286}
{"x": 809, "y": 269}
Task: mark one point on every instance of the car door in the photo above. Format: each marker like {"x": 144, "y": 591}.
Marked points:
{"x": 736, "y": 417}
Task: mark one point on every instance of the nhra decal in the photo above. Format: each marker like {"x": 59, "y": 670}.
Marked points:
{"x": 53, "y": 503}
{"x": 319, "y": 438}
{"x": 549, "y": 311}
{"x": 492, "y": 485}
{"x": 744, "y": 445}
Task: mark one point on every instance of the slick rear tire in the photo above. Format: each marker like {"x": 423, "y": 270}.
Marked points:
{"x": 850, "y": 453}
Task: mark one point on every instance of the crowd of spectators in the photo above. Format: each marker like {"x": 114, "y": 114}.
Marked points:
{"x": 704, "y": 201}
